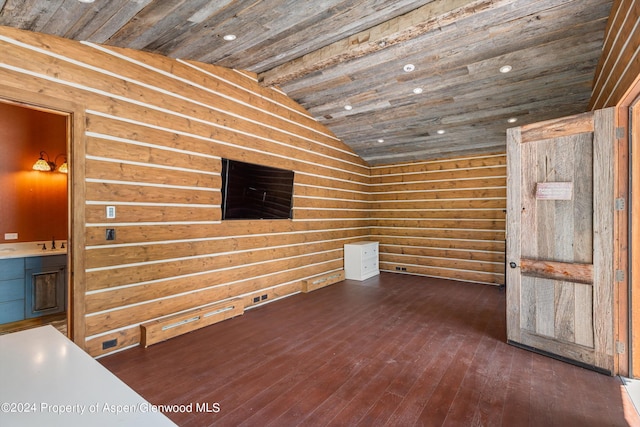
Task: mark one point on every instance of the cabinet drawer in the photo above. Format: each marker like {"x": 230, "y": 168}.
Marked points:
{"x": 37, "y": 262}
{"x": 11, "y": 311}
{"x": 11, "y": 290}
{"x": 370, "y": 264}
{"x": 370, "y": 251}
{"x": 12, "y": 268}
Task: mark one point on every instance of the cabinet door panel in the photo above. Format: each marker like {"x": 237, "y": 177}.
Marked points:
{"x": 44, "y": 291}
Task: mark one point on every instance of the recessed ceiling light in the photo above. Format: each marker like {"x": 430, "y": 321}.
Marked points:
{"x": 440, "y": 131}
{"x": 229, "y": 37}
{"x": 505, "y": 68}
{"x": 512, "y": 120}
{"x": 348, "y": 107}
{"x": 417, "y": 90}
{"x": 409, "y": 68}
{"x": 381, "y": 140}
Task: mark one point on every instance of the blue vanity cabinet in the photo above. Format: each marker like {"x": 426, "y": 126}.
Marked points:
{"x": 12, "y": 295}
{"x": 45, "y": 285}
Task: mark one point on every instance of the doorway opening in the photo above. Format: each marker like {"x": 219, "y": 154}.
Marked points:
{"x": 35, "y": 218}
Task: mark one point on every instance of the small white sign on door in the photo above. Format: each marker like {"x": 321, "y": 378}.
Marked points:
{"x": 554, "y": 190}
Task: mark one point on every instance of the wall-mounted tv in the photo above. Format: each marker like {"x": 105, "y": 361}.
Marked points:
{"x": 252, "y": 191}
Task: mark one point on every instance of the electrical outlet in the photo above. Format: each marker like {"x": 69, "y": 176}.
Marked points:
{"x": 256, "y": 299}
{"x": 109, "y": 343}
{"x": 10, "y": 236}
{"x": 110, "y": 234}
{"x": 398, "y": 268}
{"x": 263, "y": 297}
{"x": 404, "y": 268}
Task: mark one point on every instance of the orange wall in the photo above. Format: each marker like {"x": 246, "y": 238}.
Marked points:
{"x": 34, "y": 204}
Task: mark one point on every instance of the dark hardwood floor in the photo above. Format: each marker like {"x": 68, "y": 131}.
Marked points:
{"x": 393, "y": 350}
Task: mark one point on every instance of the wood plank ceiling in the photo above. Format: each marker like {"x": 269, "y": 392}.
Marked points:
{"x": 329, "y": 54}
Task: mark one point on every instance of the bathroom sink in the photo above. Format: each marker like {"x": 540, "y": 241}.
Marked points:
{"x": 29, "y": 249}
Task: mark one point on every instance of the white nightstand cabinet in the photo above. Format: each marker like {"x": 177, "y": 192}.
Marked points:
{"x": 361, "y": 260}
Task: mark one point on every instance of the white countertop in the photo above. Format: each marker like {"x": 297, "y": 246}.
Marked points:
{"x": 46, "y": 380}
{"x": 31, "y": 249}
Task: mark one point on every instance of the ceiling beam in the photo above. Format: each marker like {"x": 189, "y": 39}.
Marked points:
{"x": 429, "y": 17}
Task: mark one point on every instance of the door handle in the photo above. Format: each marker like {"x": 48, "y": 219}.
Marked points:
{"x": 512, "y": 264}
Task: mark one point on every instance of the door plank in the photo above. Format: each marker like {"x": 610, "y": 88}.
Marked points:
{"x": 543, "y": 166}
{"x": 571, "y": 272}
{"x": 584, "y": 315}
{"x": 528, "y": 213}
{"x": 556, "y": 128}
{"x": 564, "y": 219}
{"x": 528, "y": 304}
{"x": 569, "y": 350}
{"x": 514, "y": 204}
{"x": 603, "y": 204}
{"x": 583, "y": 200}
{"x": 545, "y": 307}
{"x": 565, "y": 311}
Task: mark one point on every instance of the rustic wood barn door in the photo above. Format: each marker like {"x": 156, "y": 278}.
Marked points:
{"x": 560, "y": 238}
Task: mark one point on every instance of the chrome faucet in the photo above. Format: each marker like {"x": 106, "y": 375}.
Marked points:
{"x": 44, "y": 246}
{"x": 53, "y": 243}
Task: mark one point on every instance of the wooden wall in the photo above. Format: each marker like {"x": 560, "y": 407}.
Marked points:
{"x": 619, "y": 65}
{"x": 149, "y": 135}
{"x": 34, "y": 204}
{"x": 616, "y": 83}
{"x": 442, "y": 218}
{"x": 154, "y": 132}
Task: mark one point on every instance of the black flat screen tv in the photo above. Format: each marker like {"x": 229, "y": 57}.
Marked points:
{"x": 252, "y": 191}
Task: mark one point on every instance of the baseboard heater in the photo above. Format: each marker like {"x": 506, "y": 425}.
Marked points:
{"x": 169, "y": 327}
{"x": 321, "y": 281}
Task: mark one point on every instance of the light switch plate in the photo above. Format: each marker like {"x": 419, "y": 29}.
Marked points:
{"x": 111, "y": 212}
{"x": 10, "y": 236}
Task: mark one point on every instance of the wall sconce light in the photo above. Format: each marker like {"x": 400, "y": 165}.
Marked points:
{"x": 48, "y": 166}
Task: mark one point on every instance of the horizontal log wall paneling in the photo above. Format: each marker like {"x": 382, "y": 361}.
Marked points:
{"x": 156, "y": 130}
{"x": 617, "y": 83}
{"x": 619, "y": 65}
{"x": 443, "y": 218}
